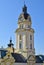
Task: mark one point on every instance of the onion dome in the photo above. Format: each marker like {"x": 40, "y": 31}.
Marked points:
{"x": 10, "y": 43}
{"x": 24, "y": 14}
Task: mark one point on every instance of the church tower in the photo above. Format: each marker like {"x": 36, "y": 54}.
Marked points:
{"x": 25, "y": 34}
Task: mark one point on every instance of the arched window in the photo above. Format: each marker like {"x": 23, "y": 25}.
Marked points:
{"x": 20, "y": 45}
{"x": 30, "y": 46}
{"x": 28, "y": 26}
{"x": 21, "y": 26}
{"x": 30, "y": 37}
{"x": 20, "y": 37}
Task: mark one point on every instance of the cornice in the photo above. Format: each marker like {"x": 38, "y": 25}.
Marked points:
{"x": 29, "y": 30}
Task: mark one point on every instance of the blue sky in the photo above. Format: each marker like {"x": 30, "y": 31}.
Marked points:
{"x": 9, "y": 13}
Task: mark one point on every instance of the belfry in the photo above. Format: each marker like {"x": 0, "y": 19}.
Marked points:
{"x": 25, "y": 34}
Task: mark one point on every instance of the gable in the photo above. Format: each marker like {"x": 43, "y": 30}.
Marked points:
{"x": 31, "y": 58}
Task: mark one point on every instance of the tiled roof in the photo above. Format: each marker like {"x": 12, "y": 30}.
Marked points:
{"x": 20, "y": 58}
{"x": 2, "y": 52}
{"x": 39, "y": 58}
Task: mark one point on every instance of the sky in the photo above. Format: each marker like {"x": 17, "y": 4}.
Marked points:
{"x": 9, "y": 13}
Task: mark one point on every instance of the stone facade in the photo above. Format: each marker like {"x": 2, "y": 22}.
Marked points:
{"x": 24, "y": 54}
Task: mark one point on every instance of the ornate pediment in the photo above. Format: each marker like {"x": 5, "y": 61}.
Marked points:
{"x": 8, "y": 59}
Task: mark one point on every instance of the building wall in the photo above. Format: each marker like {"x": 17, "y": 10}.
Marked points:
{"x": 39, "y": 63}
{"x": 22, "y": 63}
{"x": 26, "y": 64}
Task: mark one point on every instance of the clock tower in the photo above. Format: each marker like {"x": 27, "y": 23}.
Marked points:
{"x": 25, "y": 34}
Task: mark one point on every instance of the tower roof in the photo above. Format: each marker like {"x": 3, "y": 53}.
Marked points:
{"x": 24, "y": 14}
{"x": 25, "y": 9}
{"x": 10, "y": 43}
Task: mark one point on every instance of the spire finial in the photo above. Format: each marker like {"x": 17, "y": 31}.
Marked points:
{"x": 10, "y": 43}
{"x": 10, "y": 39}
{"x": 24, "y": 8}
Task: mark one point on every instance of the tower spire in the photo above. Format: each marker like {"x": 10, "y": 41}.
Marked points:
{"x": 25, "y": 8}
{"x": 10, "y": 43}
{"x": 10, "y": 39}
